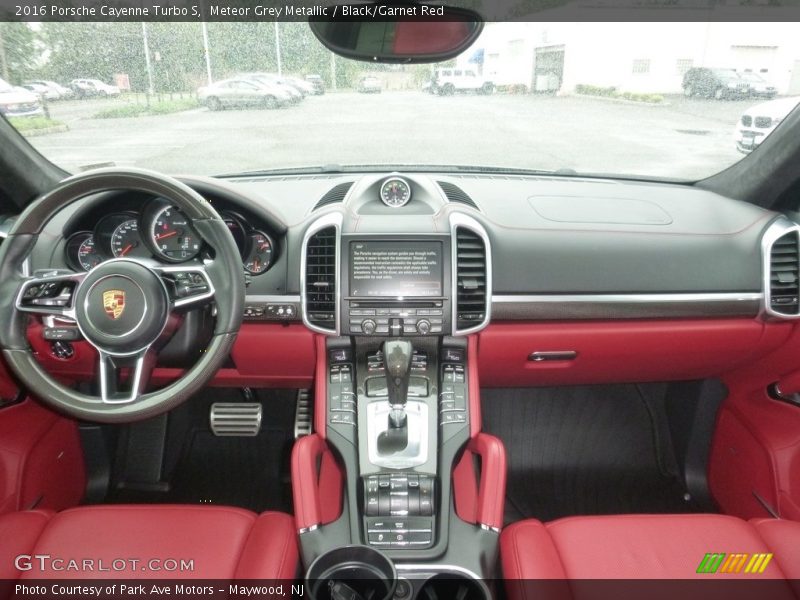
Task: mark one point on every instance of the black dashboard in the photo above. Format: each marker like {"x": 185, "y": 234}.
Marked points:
{"x": 542, "y": 248}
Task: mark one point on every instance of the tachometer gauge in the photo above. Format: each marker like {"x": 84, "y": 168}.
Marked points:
{"x": 395, "y": 192}
{"x": 259, "y": 253}
{"x": 82, "y": 252}
{"x": 173, "y": 236}
{"x": 126, "y": 242}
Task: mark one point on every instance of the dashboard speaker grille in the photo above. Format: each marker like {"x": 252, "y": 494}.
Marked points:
{"x": 470, "y": 278}
{"x": 784, "y": 275}
{"x": 334, "y": 195}
{"x": 456, "y": 194}
{"x": 321, "y": 279}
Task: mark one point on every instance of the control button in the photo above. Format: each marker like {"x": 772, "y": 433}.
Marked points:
{"x": 454, "y": 417}
{"x": 436, "y": 329}
{"x": 62, "y": 349}
{"x": 347, "y": 390}
{"x": 346, "y": 376}
{"x": 409, "y": 328}
{"x": 339, "y": 355}
{"x": 421, "y": 536}
{"x": 378, "y": 539}
{"x": 453, "y": 355}
{"x": 423, "y": 326}
{"x": 382, "y": 311}
{"x": 447, "y": 405}
{"x": 343, "y": 418}
{"x": 368, "y": 326}
{"x": 61, "y": 333}
{"x": 395, "y": 325}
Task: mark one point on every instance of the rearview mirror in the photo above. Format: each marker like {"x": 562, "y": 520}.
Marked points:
{"x": 397, "y": 32}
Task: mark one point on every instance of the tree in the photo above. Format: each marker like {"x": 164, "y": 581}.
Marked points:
{"x": 17, "y": 51}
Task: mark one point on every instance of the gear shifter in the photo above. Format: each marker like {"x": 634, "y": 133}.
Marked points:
{"x": 397, "y": 365}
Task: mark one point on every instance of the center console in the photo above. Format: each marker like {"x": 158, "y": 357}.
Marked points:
{"x": 398, "y": 438}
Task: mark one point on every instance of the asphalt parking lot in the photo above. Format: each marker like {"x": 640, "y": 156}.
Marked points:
{"x": 684, "y": 138}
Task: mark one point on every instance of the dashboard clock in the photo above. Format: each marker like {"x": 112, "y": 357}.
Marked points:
{"x": 395, "y": 192}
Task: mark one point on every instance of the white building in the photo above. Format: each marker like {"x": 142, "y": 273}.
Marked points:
{"x": 635, "y": 57}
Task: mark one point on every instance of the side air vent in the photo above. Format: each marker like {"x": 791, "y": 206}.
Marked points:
{"x": 320, "y": 279}
{"x": 456, "y": 194}
{"x": 471, "y": 279}
{"x": 784, "y": 274}
{"x": 334, "y": 195}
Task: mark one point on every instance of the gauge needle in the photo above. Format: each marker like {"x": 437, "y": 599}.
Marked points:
{"x": 163, "y": 236}
{"x": 126, "y": 249}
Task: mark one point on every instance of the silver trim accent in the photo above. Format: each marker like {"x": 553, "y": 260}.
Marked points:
{"x": 333, "y": 219}
{"x": 388, "y": 180}
{"x": 626, "y": 306}
{"x": 242, "y": 419}
{"x": 492, "y": 528}
{"x": 309, "y": 529}
{"x": 457, "y": 220}
{"x": 273, "y": 299}
{"x": 437, "y": 569}
{"x": 777, "y": 229}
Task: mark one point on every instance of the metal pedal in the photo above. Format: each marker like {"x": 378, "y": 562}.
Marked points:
{"x": 235, "y": 419}
{"x": 303, "y": 414}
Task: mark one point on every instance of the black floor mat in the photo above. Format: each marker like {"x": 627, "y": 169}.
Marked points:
{"x": 584, "y": 450}
{"x": 249, "y": 472}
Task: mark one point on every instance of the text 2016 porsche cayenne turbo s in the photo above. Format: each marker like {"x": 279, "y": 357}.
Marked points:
{"x": 530, "y": 332}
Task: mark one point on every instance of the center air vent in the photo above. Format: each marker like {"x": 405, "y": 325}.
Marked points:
{"x": 334, "y": 195}
{"x": 320, "y": 279}
{"x": 471, "y": 279}
{"x": 784, "y": 274}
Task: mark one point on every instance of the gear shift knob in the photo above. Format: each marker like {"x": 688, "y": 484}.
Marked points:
{"x": 397, "y": 365}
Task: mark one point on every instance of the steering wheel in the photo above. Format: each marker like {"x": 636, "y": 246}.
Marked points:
{"x": 123, "y": 307}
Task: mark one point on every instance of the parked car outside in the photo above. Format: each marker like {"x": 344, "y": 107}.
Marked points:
{"x": 447, "y": 82}
{"x": 317, "y": 82}
{"x": 306, "y": 88}
{"x": 720, "y": 84}
{"x": 18, "y": 102}
{"x": 275, "y": 81}
{"x": 56, "y": 90}
{"x": 87, "y": 88}
{"x": 40, "y": 90}
{"x": 240, "y": 92}
{"x": 758, "y": 121}
{"x": 759, "y": 87}
{"x": 370, "y": 85}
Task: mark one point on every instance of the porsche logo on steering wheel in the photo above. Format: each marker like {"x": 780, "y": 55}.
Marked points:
{"x": 114, "y": 303}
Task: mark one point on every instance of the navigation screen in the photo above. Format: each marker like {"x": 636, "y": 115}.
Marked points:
{"x": 394, "y": 269}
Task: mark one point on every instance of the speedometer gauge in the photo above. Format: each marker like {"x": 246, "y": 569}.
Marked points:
{"x": 259, "y": 253}
{"x": 395, "y": 192}
{"x": 173, "y": 236}
{"x": 125, "y": 241}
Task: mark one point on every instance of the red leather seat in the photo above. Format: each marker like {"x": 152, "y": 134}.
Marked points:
{"x": 221, "y": 543}
{"x": 643, "y": 547}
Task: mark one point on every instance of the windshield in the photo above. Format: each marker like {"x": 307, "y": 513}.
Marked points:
{"x": 629, "y": 99}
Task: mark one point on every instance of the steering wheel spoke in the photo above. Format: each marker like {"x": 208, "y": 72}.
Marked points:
{"x": 49, "y": 293}
{"x": 187, "y": 285}
{"x": 114, "y": 372}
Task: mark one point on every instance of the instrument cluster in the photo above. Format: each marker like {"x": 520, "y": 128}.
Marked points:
{"x": 163, "y": 232}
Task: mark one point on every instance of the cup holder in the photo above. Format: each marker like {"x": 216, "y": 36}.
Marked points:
{"x": 351, "y": 573}
{"x": 446, "y": 586}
